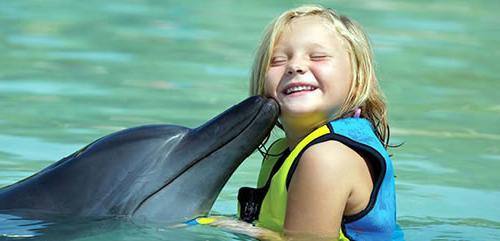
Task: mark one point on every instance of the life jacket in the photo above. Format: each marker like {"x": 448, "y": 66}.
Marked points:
{"x": 266, "y": 204}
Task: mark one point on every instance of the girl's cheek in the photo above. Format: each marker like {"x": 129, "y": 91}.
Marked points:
{"x": 320, "y": 65}
{"x": 271, "y": 83}
{"x": 269, "y": 88}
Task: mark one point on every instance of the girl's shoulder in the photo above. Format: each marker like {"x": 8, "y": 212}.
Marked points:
{"x": 333, "y": 155}
{"x": 334, "y": 163}
{"x": 335, "y": 170}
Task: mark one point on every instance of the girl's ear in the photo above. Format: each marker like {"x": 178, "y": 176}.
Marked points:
{"x": 357, "y": 113}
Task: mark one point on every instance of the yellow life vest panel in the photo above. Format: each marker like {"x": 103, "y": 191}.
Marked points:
{"x": 273, "y": 207}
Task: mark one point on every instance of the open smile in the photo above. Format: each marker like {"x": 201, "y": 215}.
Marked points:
{"x": 297, "y": 88}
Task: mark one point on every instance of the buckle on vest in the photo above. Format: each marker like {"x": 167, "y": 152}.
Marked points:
{"x": 250, "y": 201}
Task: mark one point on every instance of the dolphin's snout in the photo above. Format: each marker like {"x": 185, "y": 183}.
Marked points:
{"x": 272, "y": 106}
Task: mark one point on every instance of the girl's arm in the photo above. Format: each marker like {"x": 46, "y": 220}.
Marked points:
{"x": 331, "y": 180}
{"x": 241, "y": 227}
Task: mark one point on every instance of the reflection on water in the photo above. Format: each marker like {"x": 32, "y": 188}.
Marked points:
{"x": 431, "y": 228}
{"x": 73, "y": 71}
{"x": 23, "y": 225}
{"x": 19, "y": 227}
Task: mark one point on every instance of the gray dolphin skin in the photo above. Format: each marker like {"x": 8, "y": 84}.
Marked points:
{"x": 159, "y": 173}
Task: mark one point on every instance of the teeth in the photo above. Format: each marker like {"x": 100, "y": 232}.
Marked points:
{"x": 298, "y": 88}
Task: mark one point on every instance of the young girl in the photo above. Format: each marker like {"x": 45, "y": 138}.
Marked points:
{"x": 331, "y": 177}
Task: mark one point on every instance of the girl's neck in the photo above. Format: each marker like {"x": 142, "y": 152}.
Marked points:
{"x": 296, "y": 130}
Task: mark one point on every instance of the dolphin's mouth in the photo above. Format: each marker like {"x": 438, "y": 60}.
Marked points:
{"x": 267, "y": 110}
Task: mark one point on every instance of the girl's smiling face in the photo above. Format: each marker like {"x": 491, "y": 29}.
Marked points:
{"x": 310, "y": 71}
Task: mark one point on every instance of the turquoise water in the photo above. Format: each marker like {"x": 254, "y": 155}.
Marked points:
{"x": 73, "y": 71}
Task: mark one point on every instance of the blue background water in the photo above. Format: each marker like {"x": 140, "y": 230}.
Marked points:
{"x": 73, "y": 71}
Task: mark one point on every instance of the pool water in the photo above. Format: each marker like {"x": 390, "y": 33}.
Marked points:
{"x": 73, "y": 71}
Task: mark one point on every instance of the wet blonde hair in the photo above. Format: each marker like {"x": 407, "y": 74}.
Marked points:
{"x": 364, "y": 92}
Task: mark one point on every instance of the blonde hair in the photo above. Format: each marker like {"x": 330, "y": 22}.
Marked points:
{"x": 364, "y": 92}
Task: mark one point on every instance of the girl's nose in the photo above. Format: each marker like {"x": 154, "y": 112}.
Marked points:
{"x": 296, "y": 67}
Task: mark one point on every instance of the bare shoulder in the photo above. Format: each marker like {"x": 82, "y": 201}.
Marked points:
{"x": 332, "y": 157}
{"x": 338, "y": 168}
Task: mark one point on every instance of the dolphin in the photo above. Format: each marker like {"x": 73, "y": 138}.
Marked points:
{"x": 159, "y": 173}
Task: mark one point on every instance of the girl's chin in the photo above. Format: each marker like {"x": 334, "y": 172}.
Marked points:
{"x": 298, "y": 107}
{"x": 305, "y": 112}
{"x": 297, "y": 112}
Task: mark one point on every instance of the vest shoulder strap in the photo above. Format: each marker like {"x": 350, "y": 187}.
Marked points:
{"x": 276, "y": 150}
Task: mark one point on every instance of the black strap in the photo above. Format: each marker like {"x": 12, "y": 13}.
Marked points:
{"x": 250, "y": 199}
{"x": 276, "y": 167}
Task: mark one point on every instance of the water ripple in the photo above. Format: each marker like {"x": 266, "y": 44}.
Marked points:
{"x": 469, "y": 134}
{"x": 37, "y": 41}
{"x": 47, "y": 87}
{"x": 106, "y": 56}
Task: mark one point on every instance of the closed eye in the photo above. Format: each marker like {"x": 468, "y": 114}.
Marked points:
{"x": 277, "y": 61}
{"x": 319, "y": 57}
